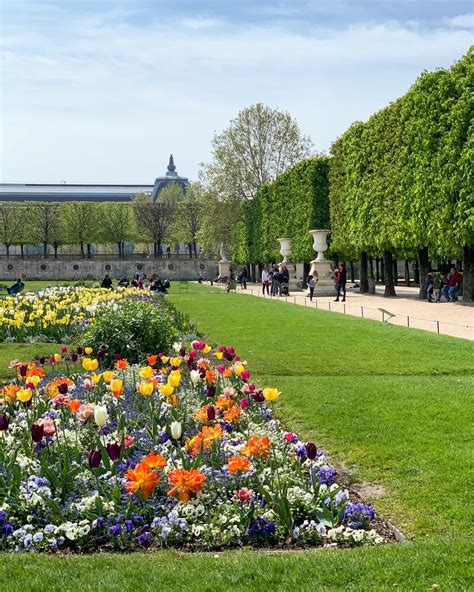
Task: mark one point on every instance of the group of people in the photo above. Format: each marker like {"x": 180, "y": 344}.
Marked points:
{"x": 155, "y": 284}
{"x": 275, "y": 281}
{"x": 442, "y": 285}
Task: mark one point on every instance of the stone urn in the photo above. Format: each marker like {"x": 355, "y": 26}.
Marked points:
{"x": 285, "y": 248}
{"x": 321, "y": 268}
{"x": 320, "y": 244}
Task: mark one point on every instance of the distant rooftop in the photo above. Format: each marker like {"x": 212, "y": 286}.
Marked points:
{"x": 88, "y": 192}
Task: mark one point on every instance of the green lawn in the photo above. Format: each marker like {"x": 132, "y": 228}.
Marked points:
{"x": 391, "y": 406}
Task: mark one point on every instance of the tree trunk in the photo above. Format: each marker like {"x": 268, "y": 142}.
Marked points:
{"x": 377, "y": 269}
{"x": 195, "y": 249}
{"x": 363, "y": 279}
{"x": 382, "y": 271}
{"x": 83, "y": 255}
{"x": 424, "y": 269}
{"x": 119, "y": 245}
{"x": 351, "y": 264}
{"x": 395, "y": 272}
{"x": 45, "y": 250}
{"x": 371, "y": 266}
{"x": 89, "y": 251}
{"x": 407, "y": 272}
{"x": 336, "y": 260}
{"x": 55, "y": 248}
{"x": 416, "y": 274}
{"x": 22, "y": 251}
{"x": 7, "y": 248}
{"x": 468, "y": 278}
{"x": 389, "y": 284}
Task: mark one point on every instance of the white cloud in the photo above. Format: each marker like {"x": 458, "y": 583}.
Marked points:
{"x": 462, "y": 21}
{"x": 108, "y": 100}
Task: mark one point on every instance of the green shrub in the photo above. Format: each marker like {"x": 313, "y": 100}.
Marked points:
{"x": 133, "y": 329}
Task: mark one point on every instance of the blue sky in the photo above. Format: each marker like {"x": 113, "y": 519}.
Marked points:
{"x": 103, "y": 91}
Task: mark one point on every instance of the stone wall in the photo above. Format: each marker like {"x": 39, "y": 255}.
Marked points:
{"x": 81, "y": 269}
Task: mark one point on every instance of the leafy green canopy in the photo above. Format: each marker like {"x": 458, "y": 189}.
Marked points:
{"x": 404, "y": 179}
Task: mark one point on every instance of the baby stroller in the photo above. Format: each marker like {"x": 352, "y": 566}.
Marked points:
{"x": 285, "y": 289}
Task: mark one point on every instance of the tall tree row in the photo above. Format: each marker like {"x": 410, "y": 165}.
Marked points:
{"x": 401, "y": 184}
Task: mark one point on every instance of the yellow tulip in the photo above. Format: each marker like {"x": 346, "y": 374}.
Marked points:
{"x": 164, "y": 359}
{"x": 146, "y": 388}
{"x": 219, "y": 355}
{"x": 167, "y": 390}
{"x": 57, "y": 358}
{"x": 175, "y": 361}
{"x": 24, "y": 395}
{"x": 174, "y": 378}
{"x": 34, "y": 380}
{"x": 90, "y": 364}
{"x": 239, "y": 368}
{"x": 88, "y": 350}
{"x": 146, "y": 372}
{"x": 207, "y": 349}
{"x": 108, "y": 375}
{"x": 271, "y": 394}
{"x": 96, "y": 377}
{"x": 116, "y": 386}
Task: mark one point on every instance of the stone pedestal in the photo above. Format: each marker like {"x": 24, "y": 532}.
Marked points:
{"x": 224, "y": 269}
{"x": 321, "y": 268}
{"x": 322, "y": 271}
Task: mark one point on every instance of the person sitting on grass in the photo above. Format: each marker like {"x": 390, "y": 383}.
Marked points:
{"x": 107, "y": 282}
{"x": 124, "y": 283}
{"x": 15, "y": 288}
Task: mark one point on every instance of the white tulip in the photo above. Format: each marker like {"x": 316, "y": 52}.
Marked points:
{"x": 195, "y": 376}
{"x": 177, "y": 346}
{"x": 100, "y": 415}
{"x": 176, "y": 430}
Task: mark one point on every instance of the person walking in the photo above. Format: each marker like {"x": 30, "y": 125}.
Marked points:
{"x": 243, "y": 277}
{"x": 429, "y": 286}
{"x": 341, "y": 280}
{"x": 311, "y": 285}
{"x": 265, "y": 282}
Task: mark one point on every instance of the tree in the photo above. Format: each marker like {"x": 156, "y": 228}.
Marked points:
{"x": 12, "y": 218}
{"x": 81, "y": 224}
{"x": 155, "y": 219}
{"x": 257, "y": 147}
{"x": 116, "y": 223}
{"x": 189, "y": 216}
{"x": 46, "y": 225}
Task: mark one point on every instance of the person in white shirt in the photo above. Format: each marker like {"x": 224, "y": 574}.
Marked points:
{"x": 265, "y": 282}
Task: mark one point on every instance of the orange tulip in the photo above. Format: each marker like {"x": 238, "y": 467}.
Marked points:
{"x": 152, "y": 360}
{"x": 74, "y": 405}
{"x": 257, "y": 446}
{"x": 185, "y": 483}
{"x": 237, "y": 464}
{"x": 121, "y": 364}
{"x": 154, "y": 461}
{"x": 141, "y": 481}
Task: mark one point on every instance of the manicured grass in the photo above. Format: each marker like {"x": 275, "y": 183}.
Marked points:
{"x": 390, "y": 405}
{"x": 37, "y": 285}
{"x": 23, "y": 352}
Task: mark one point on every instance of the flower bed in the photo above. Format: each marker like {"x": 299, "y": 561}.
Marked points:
{"x": 182, "y": 451}
{"x": 55, "y": 314}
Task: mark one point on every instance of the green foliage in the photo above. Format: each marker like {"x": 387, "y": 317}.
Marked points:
{"x": 295, "y": 203}
{"x": 404, "y": 180}
{"x": 134, "y": 329}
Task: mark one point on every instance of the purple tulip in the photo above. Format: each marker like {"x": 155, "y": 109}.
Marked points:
{"x": 62, "y": 388}
{"x": 42, "y": 360}
{"x": 94, "y": 458}
{"x": 74, "y": 357}
{"x": 211, "y": 413}
{"x": 3, "y": 423}
{"x": 258, "y": 396}
{"x": 113, "y": 450}
{"x": 37, "y": 432}
{"x": 311, "y": 450}
{"x": 22, "y": 370}
{"x": 80, "y": 351}
{"x": 211, "y": 390}
{"x": 100, "y": 353}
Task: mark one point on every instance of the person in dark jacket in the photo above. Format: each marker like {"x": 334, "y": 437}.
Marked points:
{"x": 429, "y": 285}
{"x": 341, "y": 280}
{"x": 107, "y": 282}
{"x": 243, "y": 278}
